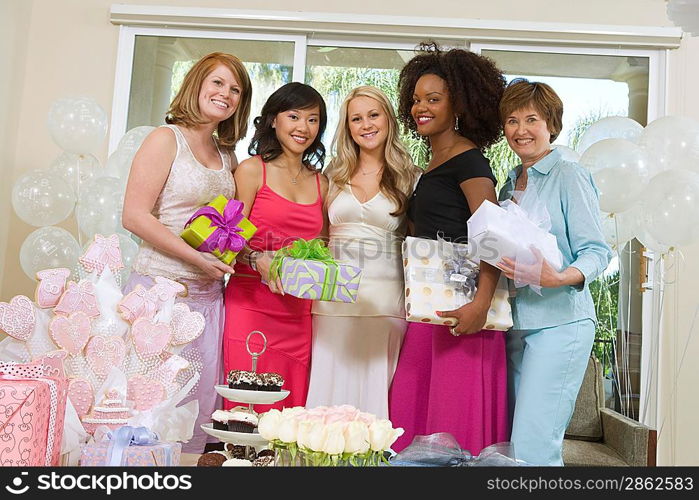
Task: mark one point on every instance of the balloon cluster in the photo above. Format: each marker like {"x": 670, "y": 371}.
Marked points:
{"x": 648, "y": 179}
{"x": 75, "y": 182}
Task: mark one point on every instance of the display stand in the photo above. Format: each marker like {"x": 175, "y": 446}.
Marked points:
{"x": 248, "y": 439}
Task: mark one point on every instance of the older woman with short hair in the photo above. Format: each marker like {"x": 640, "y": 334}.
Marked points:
{"x": 554, "y": 329}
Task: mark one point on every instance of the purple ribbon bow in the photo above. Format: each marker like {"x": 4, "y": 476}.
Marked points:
{"x": 225, "y": 236}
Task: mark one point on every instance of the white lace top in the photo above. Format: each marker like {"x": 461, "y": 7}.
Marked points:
{"x": 189, "y": 186}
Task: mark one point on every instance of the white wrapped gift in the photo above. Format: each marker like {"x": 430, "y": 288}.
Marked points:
{"x": 495, "y": 232}
{"x": 432, "y": 283}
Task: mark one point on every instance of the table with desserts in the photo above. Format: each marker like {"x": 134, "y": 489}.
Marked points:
{"x": 244, "y": 445}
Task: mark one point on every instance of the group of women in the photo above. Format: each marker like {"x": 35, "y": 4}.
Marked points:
{"x": 425, "y": 378}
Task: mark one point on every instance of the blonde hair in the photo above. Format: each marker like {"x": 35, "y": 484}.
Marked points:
{"x": 399, "y": 172}
{"x": 184, "y": 109}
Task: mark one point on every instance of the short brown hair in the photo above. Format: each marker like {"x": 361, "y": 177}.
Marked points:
{"x": 184, "y": 109}
{"x": 521, "y": 93}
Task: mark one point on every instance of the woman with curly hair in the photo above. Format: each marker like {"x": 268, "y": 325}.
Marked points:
{"x": 452, "y": 379}
{"x": 283, "y": 192}
{"x": 356, "y": 346}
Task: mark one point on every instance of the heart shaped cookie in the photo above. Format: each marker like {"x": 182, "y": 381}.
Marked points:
{"x": 17, "y": 318}
{"x": 144, "y": 393}
{"x": 52, "y": 362}
{"x": 103, "y": 352}
{"x": 81, "y": 395}
{"x": 70, "y": 332}
{"x": 150, "y": 338}
{"x": 186, "y": 325}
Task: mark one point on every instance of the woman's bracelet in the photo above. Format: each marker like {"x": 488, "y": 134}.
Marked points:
{"x": 252, "y": 259}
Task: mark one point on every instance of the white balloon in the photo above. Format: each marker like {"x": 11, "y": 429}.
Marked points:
{"x": 100, "y": 206}
{"x": 133, "y": 139}
{"x": 118, "y": 165}
{"x": 611, "y": 127}
{"x": 568, "y": 154}
{"x": 670, "y": 205}
{"x": 67, "y": 165}
{"x": 47, "y": 248}
{"x": 672, "y": 143}
{"x": 42, "y": 198}
{"x": 620, "y": 170}
{"x": 620, "y": 228}
{"x": 77, "y": 125}
{"x": 651, "y": 243}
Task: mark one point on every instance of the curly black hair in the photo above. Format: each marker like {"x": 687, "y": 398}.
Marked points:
{"x": 475, "y": 87}
{"x": 293, "y": 95}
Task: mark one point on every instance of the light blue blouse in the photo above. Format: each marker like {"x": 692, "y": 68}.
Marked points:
{"x": 569, "y": 193}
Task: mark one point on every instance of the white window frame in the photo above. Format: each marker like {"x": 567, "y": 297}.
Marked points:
{"x": 656, "y": 66}
{"x": 124, "y": 65}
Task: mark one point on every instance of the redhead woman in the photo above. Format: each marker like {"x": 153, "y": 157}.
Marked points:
{"x": 180, "y": 167}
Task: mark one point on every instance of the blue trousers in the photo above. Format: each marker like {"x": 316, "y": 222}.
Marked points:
{"x": 545, "y": 371}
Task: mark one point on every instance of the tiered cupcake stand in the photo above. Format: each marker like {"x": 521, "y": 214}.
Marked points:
{"x": 251, "y": 439}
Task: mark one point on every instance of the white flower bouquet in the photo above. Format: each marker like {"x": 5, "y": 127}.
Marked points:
{"x": 327, "y": 436}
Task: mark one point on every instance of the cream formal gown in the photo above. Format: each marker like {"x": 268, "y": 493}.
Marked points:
{"x": 356, "y": 346}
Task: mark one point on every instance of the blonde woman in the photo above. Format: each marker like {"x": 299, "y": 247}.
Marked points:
{"x": 356, "y": 346}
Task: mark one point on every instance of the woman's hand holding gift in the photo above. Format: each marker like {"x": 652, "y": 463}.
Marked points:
{"x": 212, "y": 266}
{"x": 263, "y": 263}
{"x": 470, "y": 317}
{"x": 540, "y": 272}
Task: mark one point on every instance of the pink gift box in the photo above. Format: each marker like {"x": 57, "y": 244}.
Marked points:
{"x": 32, "y": 411}
{"x": 160, "y": 455}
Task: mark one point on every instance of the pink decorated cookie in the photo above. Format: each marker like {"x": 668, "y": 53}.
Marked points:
{"x": 79, "y": 297}
{"x": 186, "y": 325}
{"x": 165, "y": 289}
{"x": 17, "y": 318}
{"x": 103, "y": 352}
{"x": 52, "y": 284}
{"x": 103, "y": 251}
{"x": 70, "y": 332}
{"x": 172, "y": 364}
{"x": 144, "y": 393}
{"x": 149, "y": 338}
{"x": 81, "y": 395}
{"x": 52, "y": 363}
{"x": 137, "y": 304}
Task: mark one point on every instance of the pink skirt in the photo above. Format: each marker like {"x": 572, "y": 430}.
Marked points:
{"x": 451, "y": 384}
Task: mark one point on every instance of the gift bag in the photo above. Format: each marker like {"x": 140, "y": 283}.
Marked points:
{"x": 442, "y": 276}
{"x": 219, "y": 228}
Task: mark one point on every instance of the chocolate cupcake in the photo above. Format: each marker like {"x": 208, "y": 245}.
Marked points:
{"x": 241, "y": 421}
{"x": 220, "y": 418}
{"x": 273, "y": 382}
{"x": 243, "y": 379}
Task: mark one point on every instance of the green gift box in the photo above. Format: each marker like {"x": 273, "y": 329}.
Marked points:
{"x": 219, "y": 228}
{"x": 308, "y": 271}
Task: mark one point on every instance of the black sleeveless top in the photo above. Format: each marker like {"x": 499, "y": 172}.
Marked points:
{"x": 438, "y": 205}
